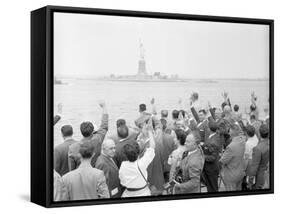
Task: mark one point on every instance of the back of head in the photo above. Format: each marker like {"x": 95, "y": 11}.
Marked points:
{"x": 250, "y": 130}
{"x": 264, "y": 131}
{"x": 142, "y": 107}
{"x": 213, "y": 126}
{"x": 86, "y": 128}
{"x": 132, "y": 151}
{"x": 235, "y": 129}
{"x": 181, "y": 136}
{"x": 175, "y": 114}
{"x": 67, "y": 131}
{"x": 236, "y": 108}
{"x": 86, "y": 150}
{"x": 252, "y": 117}
{"x": 123, "y": 131}
{"x": 227, "y": 109}
{"x": 164, "y": 113}
{"x": 120, "y": 122}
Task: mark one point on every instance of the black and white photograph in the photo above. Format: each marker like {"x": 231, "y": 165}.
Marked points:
{"x": 159, "y": 107}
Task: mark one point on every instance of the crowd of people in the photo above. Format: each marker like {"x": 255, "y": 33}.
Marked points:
{"x": 185, "y": 151}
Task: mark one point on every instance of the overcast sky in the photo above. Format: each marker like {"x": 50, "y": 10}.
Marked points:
{"x": 96, "y": 45}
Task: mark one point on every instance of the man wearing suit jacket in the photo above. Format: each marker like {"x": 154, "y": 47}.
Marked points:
{"x": 260, "y": 158}
{"x": 211, "y": 149}
{"x": 123, "y": 134}
{"x": 85, "y": 182}
{"x": 89, "y": 135}
{"x": 232, "y": 160}
{"x": 61, "y": 150}
{"x": 191, "y": 166}
{"x": 106, "y": 163}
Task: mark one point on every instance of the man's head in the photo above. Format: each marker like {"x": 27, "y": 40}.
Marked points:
{"x": 132, "y": 151}
{"x": 236, "y": 108}
{"x": 252, "y": 118}
{"x": 66, "y": 131}
{"x": 87, "y": 129}
{"x": 164, "y": 113}
{"x": 108, "y": 148}
{"x": 213, "y": 126}
{"x": 120, "y": 122}
{"x": 175, "y": 114}
{"x": 142, "y": 108}
{"x": 202, "y": 114}
{"x": 181, "y": 136}
{"x": 226, "y": 109}
{"x": 86, "y": 150}
{"x": 123, "y": 131}
{"x": 190, "y": 143}
{"x": 234, "y": 129}
{"x": 264, "y": 131}
{"x": 250, "y": 130}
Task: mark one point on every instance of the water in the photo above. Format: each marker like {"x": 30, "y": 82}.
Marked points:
{"x": 80, "y": 98}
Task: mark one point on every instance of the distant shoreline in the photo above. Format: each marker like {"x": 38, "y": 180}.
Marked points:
{"x": 158, "y": 80}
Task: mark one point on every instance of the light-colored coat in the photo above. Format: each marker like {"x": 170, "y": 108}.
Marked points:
{"x": 192, "y": 167}
{"x": 85, "y": 183}
{"x": 233, "y": 169}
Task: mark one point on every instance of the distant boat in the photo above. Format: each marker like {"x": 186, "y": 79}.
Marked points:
{"x": 58, "y": 82}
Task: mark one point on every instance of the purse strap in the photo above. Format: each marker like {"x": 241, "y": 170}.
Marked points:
{"x": 141, "y": 173}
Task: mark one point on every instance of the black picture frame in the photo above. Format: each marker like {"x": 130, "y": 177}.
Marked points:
{"x": 42, "y": 102}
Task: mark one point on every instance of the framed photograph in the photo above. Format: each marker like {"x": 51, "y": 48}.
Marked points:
{"x": 133, "y": 106}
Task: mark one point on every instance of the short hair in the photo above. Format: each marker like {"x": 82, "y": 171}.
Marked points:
{"x": 236, "y": 107}
{"x": 227, "y": 109}
{"x": 181, "y": 136}
{"x": 142, "y": 107}
{"x": 67, "y": 130}
{"x": 86, "y": 128}
{"x": 252, "y": 117}
{"x": 213, "y": 126}
{"x": 253, "y": 107}
{"x": 264, "y": 131}
{"x": 132, "y": 151}
{"x": 235, "y": 127}
{"x": 164, "y": 113}
{"x": 86, "y": 150}
{"x": 203, "y": 111}
{"x": 123, "y": 131}
{"x": 250, "y": 130}
{"x": 120, "y": 122}
{"x": 175, "y": 114}
{"x": 182, "y": 112}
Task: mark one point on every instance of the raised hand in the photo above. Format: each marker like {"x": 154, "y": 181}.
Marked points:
{"x": 152, "y": 101}
{"x": 209, "y": 105}
{"x": 225, "y": 95}
{"x": 102, "y": 103}
{"x": 180, "y": 101}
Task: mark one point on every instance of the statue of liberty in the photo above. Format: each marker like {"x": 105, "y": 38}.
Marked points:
{"x": 142, "y": 67}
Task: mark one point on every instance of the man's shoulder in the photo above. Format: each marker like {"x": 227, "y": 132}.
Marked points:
{"x": 101, "y": 160}
{"x": 74, "y": 146}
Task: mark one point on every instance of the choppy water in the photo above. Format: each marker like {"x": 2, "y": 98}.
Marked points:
{"x": 80, "y": 98}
